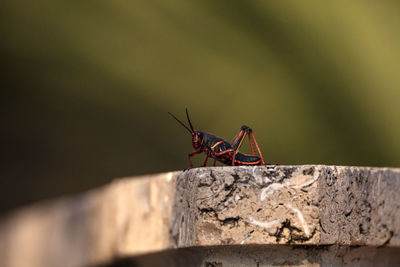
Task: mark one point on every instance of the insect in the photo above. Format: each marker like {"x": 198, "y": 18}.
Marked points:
{"x": 219, "y": 149}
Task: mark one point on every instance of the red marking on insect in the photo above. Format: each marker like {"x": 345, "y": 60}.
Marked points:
{"x": 221, "y": 150}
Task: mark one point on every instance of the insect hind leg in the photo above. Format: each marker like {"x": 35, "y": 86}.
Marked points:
{"x": 237, "y": 141}
{"x": 253, "y": 138}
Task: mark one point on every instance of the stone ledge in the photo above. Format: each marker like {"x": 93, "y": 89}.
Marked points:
{"x": 265, "y": 255}
{"x": 240, "y": 207}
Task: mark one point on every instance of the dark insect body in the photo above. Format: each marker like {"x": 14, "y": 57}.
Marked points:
{"x": 219, "y": 149}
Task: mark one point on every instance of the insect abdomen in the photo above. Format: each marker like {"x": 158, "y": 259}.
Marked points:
{"x": 242, "y": 159}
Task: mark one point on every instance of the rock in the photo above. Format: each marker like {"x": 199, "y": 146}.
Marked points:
{"x": 218, "y": 215}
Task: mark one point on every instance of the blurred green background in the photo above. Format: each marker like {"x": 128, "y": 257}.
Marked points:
{"x": 86, "y": 86}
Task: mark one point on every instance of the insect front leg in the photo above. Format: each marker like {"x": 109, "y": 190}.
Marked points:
{"x": 191, "y": 155}
{"x": 205, "y": 161}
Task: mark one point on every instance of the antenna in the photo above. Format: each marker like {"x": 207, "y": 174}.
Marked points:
{"x": 181, "y": 122}
{"x": 187, "y": 115}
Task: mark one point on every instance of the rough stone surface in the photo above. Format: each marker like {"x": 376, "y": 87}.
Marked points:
{"x": 266, "y": 255}
{"x": 359, "y": 206}
{"x": 127, "y": 217}
{"x": 288, "y": 205}
{"x": 219, "y": 216}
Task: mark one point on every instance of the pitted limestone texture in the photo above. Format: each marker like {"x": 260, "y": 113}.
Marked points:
{"x": 288, "y": 205}
{"x": 245, "y": 205}
{"x": 360, "y": 206}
